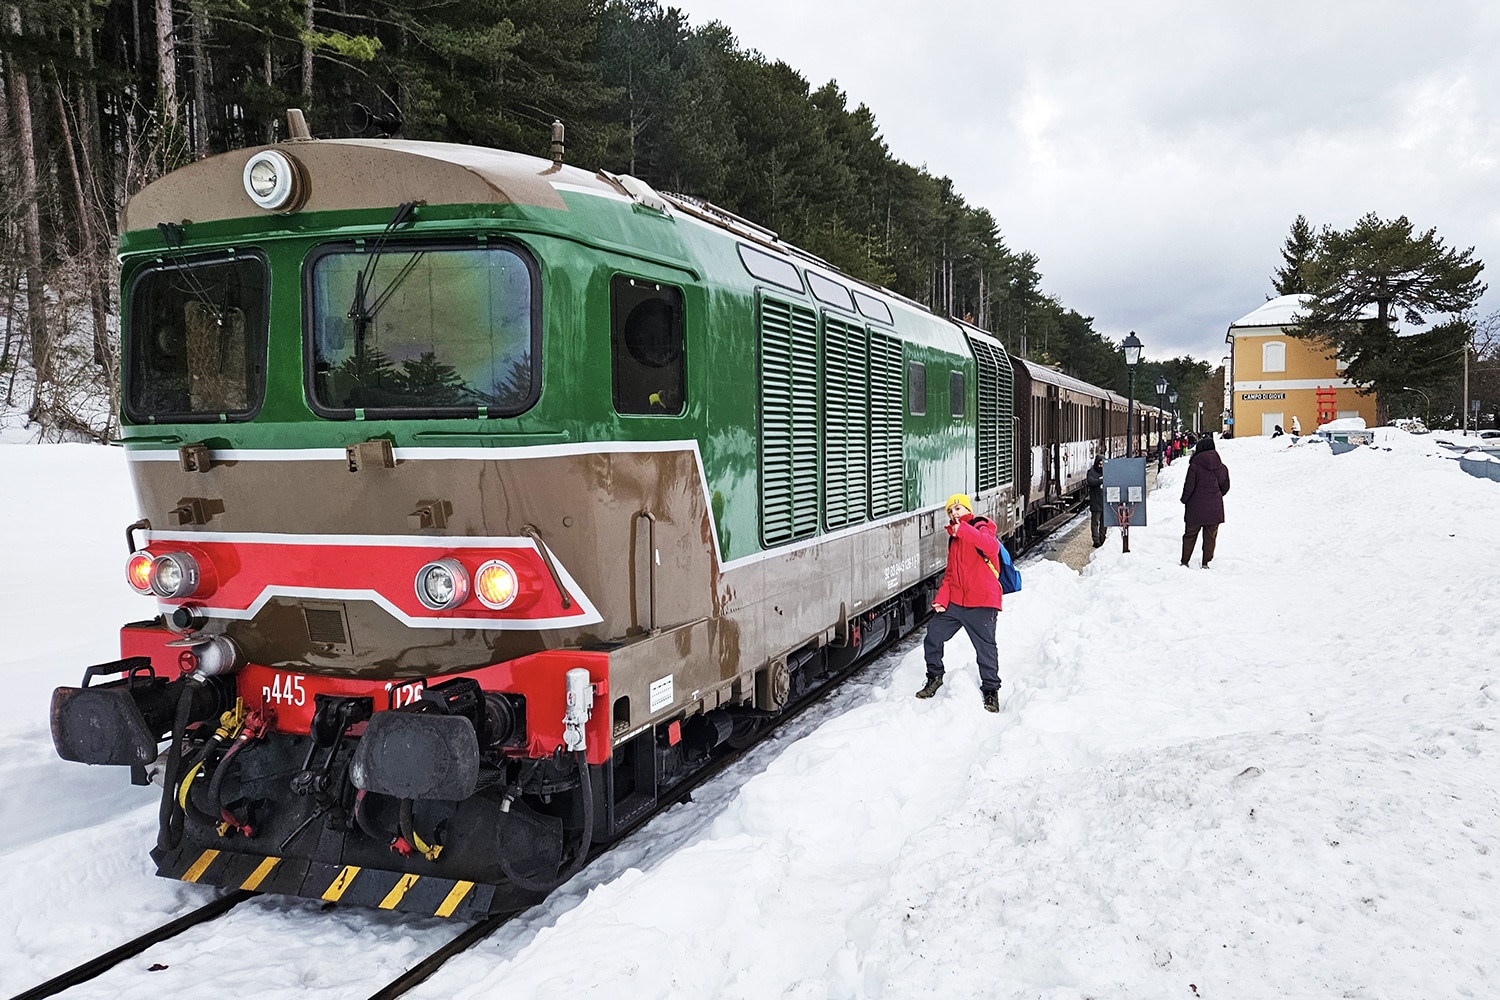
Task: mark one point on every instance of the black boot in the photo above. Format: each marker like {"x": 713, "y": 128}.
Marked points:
{"x": 931, "y": 687}
{"x": 992, "y": 701}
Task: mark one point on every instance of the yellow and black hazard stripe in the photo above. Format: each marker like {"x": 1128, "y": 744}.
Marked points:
{"x": 378, "y": 888}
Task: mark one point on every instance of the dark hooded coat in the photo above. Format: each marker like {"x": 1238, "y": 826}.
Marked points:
{"x": 1204, "y": 488}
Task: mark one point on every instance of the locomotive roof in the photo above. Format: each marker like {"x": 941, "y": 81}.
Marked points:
{"x": 359, "y": 173}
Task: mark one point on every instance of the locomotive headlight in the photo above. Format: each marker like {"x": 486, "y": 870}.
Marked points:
{"x": 174, "y": 575}
{"x": 272, "y": 181}
{"x": 442, "y": 584}
{"x": 138, "y": 571}
{"x": 496, "y": 584}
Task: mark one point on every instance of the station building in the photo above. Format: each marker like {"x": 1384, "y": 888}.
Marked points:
{"x": 1273, "y": 376}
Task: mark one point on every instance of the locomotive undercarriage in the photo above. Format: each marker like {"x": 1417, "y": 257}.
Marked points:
{"x": 375, "y": 809}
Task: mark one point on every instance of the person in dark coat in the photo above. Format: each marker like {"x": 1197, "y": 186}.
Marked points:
{"x": 1095, "y": 479}
{"x": 1203, "y": 494}
{"x": 968, "y": 599}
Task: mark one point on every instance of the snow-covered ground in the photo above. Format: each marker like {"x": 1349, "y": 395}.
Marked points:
{"x": 1279, "y": 777}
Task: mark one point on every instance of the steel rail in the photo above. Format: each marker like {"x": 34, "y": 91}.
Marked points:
{"x": 103, "y": 963}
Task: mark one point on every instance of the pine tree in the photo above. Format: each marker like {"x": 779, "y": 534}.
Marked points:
{"x": 1299, "y": 247}
{"x": 1381, "y": 266}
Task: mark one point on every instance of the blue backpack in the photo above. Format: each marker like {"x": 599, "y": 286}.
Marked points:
{"x": 1007, "y": 574}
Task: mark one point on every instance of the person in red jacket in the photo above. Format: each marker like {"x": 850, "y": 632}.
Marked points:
{"x": 968, "y": 599}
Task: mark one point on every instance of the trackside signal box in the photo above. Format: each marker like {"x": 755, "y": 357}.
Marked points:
{"x": 1125, "y": 485}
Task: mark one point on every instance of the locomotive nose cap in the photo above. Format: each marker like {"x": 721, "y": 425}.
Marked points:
{"x": 417, "y": 755}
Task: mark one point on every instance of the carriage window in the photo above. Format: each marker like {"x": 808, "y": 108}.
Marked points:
{"x": 916, "y": 388}
{"x": 646, "y": 347}
{"x": 424, "y": 330}
{"x": 956, "y": 393}
{"x": 196, "y": 334}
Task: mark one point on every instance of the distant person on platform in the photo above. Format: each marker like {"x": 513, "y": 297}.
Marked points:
{"x": 1296, "y": 426}
{"x": 968, "y": 599}
{"x": 1203, "y": 494}
{"x": 1096, "y": 499}
{"x": 1277, "y": 432}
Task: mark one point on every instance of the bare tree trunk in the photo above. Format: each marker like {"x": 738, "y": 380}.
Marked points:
{"x": 166, "y": 63}
{"x": 88, "y": 250}
{"x": 307, "y": 56}
{"x": 31, "y": 218}
{"x": 200, "y": 81}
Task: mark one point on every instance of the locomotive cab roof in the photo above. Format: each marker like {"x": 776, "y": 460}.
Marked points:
{"x": 344, "y": 174}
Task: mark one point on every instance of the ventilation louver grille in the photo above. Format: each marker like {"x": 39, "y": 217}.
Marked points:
{"x": 327, "y": 627}
{"x": 788, "y": 421}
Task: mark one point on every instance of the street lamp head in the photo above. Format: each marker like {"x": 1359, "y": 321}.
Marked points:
{"x": 1172, "y": 398}
{"x": 1132, "y": 345}
{"x": 1161, "y": 385}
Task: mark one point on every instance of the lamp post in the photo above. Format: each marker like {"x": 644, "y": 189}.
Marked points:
{"x": 1161, "y": 442}
{"x": 1132, "y": 346}
{"x": 1427, "y": 401}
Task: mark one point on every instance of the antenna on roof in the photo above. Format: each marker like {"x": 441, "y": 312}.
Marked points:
{"x": 557, "y": 143}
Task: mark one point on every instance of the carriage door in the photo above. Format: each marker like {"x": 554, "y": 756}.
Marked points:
{"x": 1054, "y": 441}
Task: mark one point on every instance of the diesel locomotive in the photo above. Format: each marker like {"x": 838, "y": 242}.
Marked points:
{"x": 485, "y": 500}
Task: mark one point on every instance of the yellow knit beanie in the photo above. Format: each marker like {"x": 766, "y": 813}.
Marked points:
{"x": 962, "y": 499}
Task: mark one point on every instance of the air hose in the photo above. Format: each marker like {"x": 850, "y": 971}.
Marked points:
{"x": 581, "y": 855}
{"x": 169, "y": 818}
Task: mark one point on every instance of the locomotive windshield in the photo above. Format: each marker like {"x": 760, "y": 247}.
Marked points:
{"x": 196, "y": 331}
{"x": 424, "y": 330}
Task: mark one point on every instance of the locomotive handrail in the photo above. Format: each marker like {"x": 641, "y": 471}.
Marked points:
{"x": 650, "y": 564}
{"x": 541, "y": 546}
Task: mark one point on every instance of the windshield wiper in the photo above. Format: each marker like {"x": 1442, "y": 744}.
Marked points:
{"x": 359, "y": 313}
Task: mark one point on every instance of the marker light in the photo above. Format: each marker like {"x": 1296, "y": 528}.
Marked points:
{"x": 174, "y": 575}
{"x": 138, "y": 571}
{"x": 442, "y": 584}
{"x": 496, "y": 584}
{"x": 271, "y": 181}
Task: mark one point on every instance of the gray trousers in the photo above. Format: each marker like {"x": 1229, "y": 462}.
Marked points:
{"x": 979, "y": 623}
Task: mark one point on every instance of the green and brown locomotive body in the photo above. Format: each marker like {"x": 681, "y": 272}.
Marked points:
{"x": 486, "y": 500}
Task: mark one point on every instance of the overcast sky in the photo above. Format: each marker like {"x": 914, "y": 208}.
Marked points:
{"x": 1154, "y": 154}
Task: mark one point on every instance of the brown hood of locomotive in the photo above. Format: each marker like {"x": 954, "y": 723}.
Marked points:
{"x": 626, "y": 534}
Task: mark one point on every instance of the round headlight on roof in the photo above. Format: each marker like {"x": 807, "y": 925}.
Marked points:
{"x": 272, "y": 181}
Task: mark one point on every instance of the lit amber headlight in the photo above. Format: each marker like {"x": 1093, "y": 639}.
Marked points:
{"x": 138, "y": 571}
{"x": 496, "y": 584}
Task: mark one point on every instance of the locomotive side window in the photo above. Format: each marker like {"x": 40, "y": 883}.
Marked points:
{"x": 916, "y": 388}
{"x": 646, "y": 347}
{"x": 196, "y": 334}
{"x": 768, "y": 268}
{"x": 424, "y": 330}
{"x": 830, "y": 292}
{"x": 956, "y": 393}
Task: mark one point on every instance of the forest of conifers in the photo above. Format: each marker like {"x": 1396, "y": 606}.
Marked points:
{"x": 103, "y": 96}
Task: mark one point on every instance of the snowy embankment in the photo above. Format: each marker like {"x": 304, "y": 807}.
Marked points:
{"x": 1276, "y": 777}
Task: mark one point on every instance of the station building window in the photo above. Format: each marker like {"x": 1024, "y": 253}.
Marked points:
{"x": 647, "y": 347}
{"x": 1273, "y": 356}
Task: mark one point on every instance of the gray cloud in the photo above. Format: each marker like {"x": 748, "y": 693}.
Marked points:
{"x": 1154, "y": 154}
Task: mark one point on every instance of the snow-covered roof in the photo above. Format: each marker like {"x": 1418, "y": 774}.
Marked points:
{"x": 1282, "y": 311}
{"x": 1277, "y": 312}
